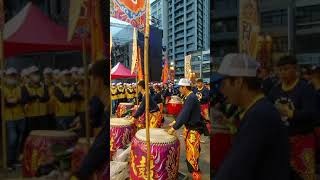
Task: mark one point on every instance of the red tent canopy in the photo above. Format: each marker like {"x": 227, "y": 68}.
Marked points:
{"x": 32, "y": 31}
{"x": 120, "y": 71}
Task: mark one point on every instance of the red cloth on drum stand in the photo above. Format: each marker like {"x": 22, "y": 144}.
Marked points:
{"x": 220, "y": 144}
{"x": 303, "y": 155}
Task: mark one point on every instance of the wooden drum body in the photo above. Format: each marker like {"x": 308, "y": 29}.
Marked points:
{"x": 165, "y": 154}
{"x": 37, "y": 150}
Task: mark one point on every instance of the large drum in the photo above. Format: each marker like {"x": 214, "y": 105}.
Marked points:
{"x": 123, "y": 109}
{"x": 165, "y": 153}
{"x": 140, "y": 123}
{"x": 79, "y": 152}
{"x": 174, "y": 107}
{"x": 121, "y": 133}
{"x": 37, "y": 149}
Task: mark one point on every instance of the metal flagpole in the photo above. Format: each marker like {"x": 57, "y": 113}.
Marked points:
{"x": 4, "y": 129}
{"x": 146, "y": 74}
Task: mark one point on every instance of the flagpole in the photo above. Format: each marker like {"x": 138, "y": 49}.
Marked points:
{"x": 146, "y": 74}
{"x": 86, "y": 89}
{"x": 4, "y": 129}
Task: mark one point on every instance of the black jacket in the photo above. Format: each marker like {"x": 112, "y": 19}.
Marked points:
{"x": 260, "y": 149}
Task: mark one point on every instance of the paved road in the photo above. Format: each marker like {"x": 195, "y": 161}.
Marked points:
{"x": 204, "y": 161}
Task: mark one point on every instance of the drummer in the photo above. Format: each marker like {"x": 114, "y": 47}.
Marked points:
{"x": 98, "y": 154}
{"x": 190, "y": 118}
{"x": 295, "y": 100}
{"x": 14, "y": 116}
{"x": 155, "y": 114}
{"x": 157, "y": 96}
{"x": 261, "y": 143}
{"x": 203, "y": 96}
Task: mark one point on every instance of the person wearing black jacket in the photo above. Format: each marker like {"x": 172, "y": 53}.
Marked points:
{"x": 99, "y": 153}
{"x": 296, "y": 102}
{"x": 260, "y": 149}
{"x": 155, "y": 114}
{"x": 190, "y": 117}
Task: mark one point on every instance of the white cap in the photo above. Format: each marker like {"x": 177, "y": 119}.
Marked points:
{"x": 47, "y": 71}
{"x": 74, "y": 70}
{"x": 56, "y": 71}
{"x": 11, "y": 71}
{"x": 238, "y": 65}
{"x": 32, "y": 69}
{"x": 81, "y": 71}
{"x": 184, "y": 82}
{"x": 119, "y": 83}
{"x": 64, "y": 72}
{"x": 113, "y": 84}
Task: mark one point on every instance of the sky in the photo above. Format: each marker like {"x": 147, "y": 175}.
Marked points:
{"x": 115, "y": 30}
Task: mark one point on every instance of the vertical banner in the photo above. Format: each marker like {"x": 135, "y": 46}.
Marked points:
{"x": 249, "y": 28}
{"x": 165, "y": 71}
{"x": 139, "y": 65}
{"x": 97, "y": 44}
{"x": 130, "y": 11}
{"x": 78, "y": 14}
{"x": 187, "y": 66}
{"x": 134, "y": 51}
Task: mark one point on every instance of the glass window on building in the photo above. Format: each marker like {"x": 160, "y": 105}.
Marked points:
{"x": 272, "y": 18}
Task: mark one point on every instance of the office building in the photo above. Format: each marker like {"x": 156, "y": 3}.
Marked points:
{"x": 188, "y": 30}
{"x": 274, "y": 22}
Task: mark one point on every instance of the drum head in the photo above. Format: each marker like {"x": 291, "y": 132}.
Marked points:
{"x": 49, "y": 133}
{"x": 120, "y": 122}
{"x": 157, "y": 135}
{"x": 126, "y": 104}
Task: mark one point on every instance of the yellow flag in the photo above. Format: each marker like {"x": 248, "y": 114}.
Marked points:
{"x": 134, "y": 51}
{"x": 249, "y": 27}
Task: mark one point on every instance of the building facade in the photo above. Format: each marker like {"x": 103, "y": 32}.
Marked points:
{"x": 188, "y": 30}
{"x": 274, "y": 22}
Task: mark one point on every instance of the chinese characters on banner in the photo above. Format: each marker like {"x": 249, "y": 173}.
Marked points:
{"x": 130, "y": 11}
{"x": 187, "y": 67}
{"x": 249, "y": 27}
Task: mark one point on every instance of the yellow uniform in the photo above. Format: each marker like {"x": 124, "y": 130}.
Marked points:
{"x": 130, "y": 94}
{"x": 36, "y": 107}
{"x": 121, "y": 92}
{"x": 65, "y": 106}
{"x": 114, "y": 93}
{"x": 12, "y": 111}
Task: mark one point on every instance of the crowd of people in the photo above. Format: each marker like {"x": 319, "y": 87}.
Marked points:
{"x": 274, "y": 112}
{"x": 49, "y": 100}
{"x": 193, "y": 116}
